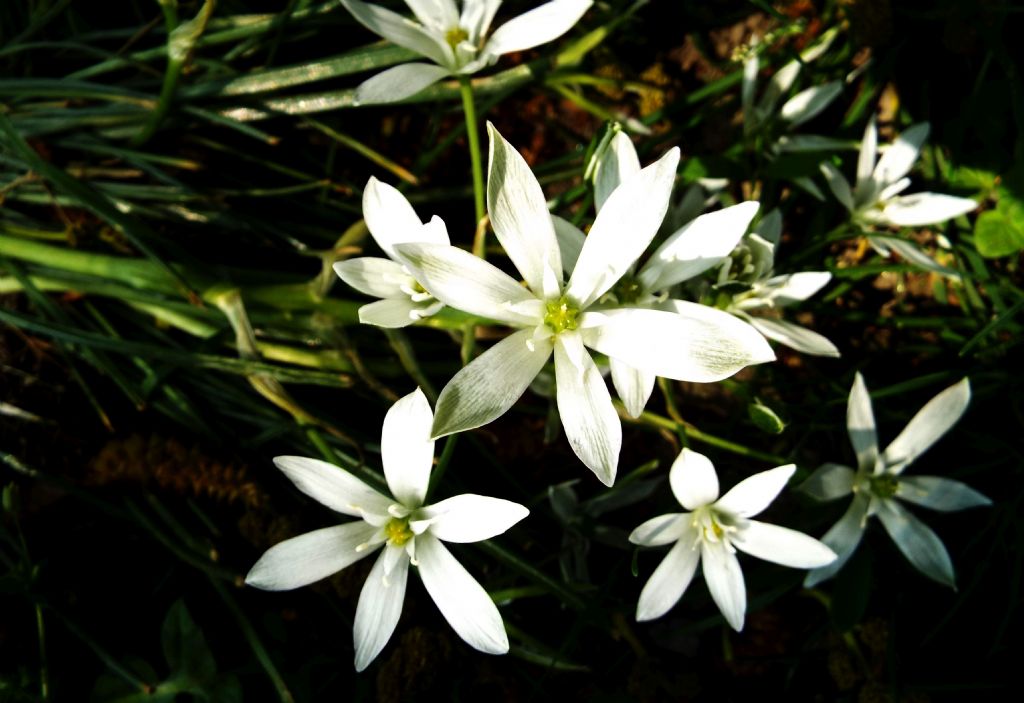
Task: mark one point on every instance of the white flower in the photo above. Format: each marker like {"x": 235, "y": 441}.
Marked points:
{"x": 752, "y": 263}
{"x": 408, "y": 532}
{"x": 456, "y": 43}
{"x": 561, "y": 319}
{"x": 391, "y": 220}
{"x": 875, "y": 198}
{"x": 712, "y": 531}
{"x": 878, "y": 483}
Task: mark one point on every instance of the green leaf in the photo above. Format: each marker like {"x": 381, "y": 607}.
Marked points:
{"x": 996, "y": 234}
{"x": 185, "y": 648}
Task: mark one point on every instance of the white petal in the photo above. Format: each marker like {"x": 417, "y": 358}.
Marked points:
{"x": 477, "y": 16}
{"x": 381, "y": 278}
{"x": 938, "y": 493}
{"x": 398, "y": 83}
{"x": 755, "y": 493}
{"x": 491, "y": 383}
{"x": 399, "y": 30}
{"x": 778, "y": 85}
{"x": 924, "y": 209}
{"x": 866, "y": 188}
{"x": 894, "y": 189}
{"x": 406, "y": 449}
{"x": 698, "y": 246}
{"x": 747, "y": 88}
{"x": 792, "y": 287}
{"x": 808, "y": 103}
{"x": 725, "y": 581}
{"x": 538, "y": 26}
{"x": 332, "y": 486}
{"x": 393, "y": 313}
{"x": 919, "y": 544}
{"x": 795, "y": 337}
{"x": 910, "y": 252}
{"x": 625, "y": 226}
{"x": 928, "y": 425}
{"x": 661, "y": 530}
{"x": 899, "y": 158}
{"x": 472, "y": 518}
{"x": 693, "y": 480}
{"x": 519, "y": 215}
{"x": 441, "y": 15}
{"x": 829, "y": 481}
{"x": 380, "y": 604}
{"x": 466, "y": 282}
{"x": 633, "y": 386}
{"x": 781, "y": 545}
{"x": 302, "y": 560}
{"x": 838, "y": 184}
{"x": 463, "y": 602}
{"x": 694, "y": 343}
{"x": 860, "y": 423}
{"x": 618, "y": 164}
{"x": 570, "y": 242}
{"x": 392, "y": 220}
{"x": 842, "y": 539}
{"x": 669, "y": 581}
{"x": 585, "y": 406}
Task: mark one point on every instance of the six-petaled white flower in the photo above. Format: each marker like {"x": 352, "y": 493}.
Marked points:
{"x": 875, "y": 198}
{"x": 878, "y": 484}
{"x": 403, "y": 528}
{"x": 562, "y": 319}
{"x": 391, "y": 220}
{"x": 711, "y": 533}
{"x": 457, "y": 43}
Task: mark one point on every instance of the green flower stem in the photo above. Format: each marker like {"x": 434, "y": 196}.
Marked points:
{"x": 103, "y": 655}
{"x": 530, "y": 571}
{"x": 473, "y": 133}
{"x": 654, "y": 420}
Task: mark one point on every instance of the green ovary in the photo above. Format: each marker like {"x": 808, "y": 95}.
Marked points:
{"x": 398, "y": 532}
{"x": 561, "y": 315}
{"x": 627, "y": 290}
{"x": 456, "y": 36}
{"x": 884, "y": 485}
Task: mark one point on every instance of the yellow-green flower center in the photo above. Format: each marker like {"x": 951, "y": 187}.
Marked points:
{"x": 456, "y": 36}
{"x": 561, "y": 315}
{"x": 397, "y": 531}
{"x": 884, "y": 485}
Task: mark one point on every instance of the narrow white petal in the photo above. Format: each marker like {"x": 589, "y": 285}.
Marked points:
{"x": 332, "y": 486}
{"x": 519, "y": 214}
{"x": 466, "y": 282}
{"x": 669, "y": 581}
{"x": 838, "y": 184}
{"x": 472, "y": 518}
{"x": 393, "y": 313}
{"x": 778, "y": 85}
{"x": 842, "y": 538}
{"x": 625, "y": 226}
{"x": 399, "y": 30}
{"x": 618, "y": 164}
{"x": 302, "y": 560}
{"x": 725, "y": 582}
{"x": 808, "y": 103}
{"x": 865, "y": 186}
{"x": 441, "y": 15}
{"x": 406, "y": 449}
{"x": 633, "y": 386}
{"x": 661, "y": 530}
{"x": 570, "y": 242}
{"x": 899, "y": 158}
{"x": 538, "y": 26}
{"x": 693, "y": 480}
{"x": 380, "y": 604}
{"x": 792, "y": 287}
{"x": 939, "y": 493}
{"x": 919, "y": 544}
{"x": 860, "y": 423}
{"x": 399, "y": 82}
{"x": 392, "y": 220}
{"x": 747, "y": 88}
{"x": 829, "y": 481}
{"x": 491, "y": 383}
{"x": 477, "y": 16}
{"x": 910, "y": 252}
{"x": 795, "y": 337}
{"x": 694, "y": 343}
{"x": 698, "y": 246}
{"x": 585, "y": 406}
{"x": 381, "y": 278}
{"x": 927, "y": 426}
{"x": 781, "y": 545}
{"x": 894, "y": 189}
{"x": 755, "y": 493}
{"x": 924, "y": 209}
{"x": 462, "y": 601}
